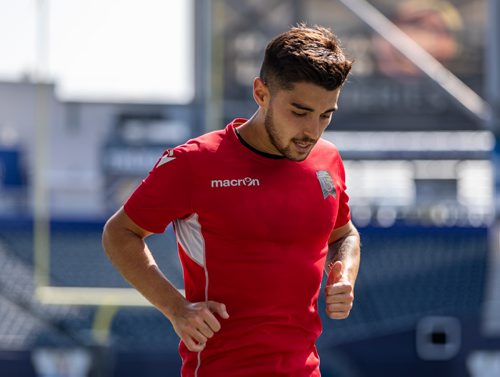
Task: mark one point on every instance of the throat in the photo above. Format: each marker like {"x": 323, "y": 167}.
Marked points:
{"x": 255, "y": 150}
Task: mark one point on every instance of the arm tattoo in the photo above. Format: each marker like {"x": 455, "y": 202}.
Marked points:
{"x": 340, "y": 249}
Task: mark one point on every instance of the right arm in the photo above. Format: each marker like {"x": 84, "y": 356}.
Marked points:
{"x": 123, "y": 241}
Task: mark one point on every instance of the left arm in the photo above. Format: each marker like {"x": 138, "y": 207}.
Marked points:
{"x": 342, "y": 265}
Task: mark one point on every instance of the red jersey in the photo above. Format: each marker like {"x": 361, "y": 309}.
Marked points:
{"x": 252, "y": 233}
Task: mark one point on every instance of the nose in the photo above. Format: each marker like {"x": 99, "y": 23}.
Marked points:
{"x": 313, "y": 129}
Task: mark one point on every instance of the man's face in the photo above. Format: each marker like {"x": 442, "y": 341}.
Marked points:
{"x": 295, "y": 119}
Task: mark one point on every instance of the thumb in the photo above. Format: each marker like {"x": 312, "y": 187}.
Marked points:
{"x": 217, "y": 307}
{"x": 335, "y": 273}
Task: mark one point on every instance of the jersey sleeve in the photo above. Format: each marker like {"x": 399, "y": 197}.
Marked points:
{"x": 344, "y": 212}
{"x": 164, "y": 195}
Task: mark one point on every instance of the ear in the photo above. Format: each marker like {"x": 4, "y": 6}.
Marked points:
{"x": 261, "y": 93}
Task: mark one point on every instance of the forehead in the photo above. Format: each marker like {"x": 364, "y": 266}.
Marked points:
{"x": 310, "y": 95}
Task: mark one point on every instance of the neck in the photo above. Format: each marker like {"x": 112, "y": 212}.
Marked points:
{"x": 254, "y": 133}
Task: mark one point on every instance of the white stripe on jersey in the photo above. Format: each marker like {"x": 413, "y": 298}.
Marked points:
{"x": 188, "y": 232}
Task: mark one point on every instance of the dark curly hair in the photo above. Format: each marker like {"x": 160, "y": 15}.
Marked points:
{"x": 305, "y": 54}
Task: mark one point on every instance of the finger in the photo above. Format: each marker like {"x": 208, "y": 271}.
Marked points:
{"x": 338, "y": 315}
{"x": 204, "y": 328}
{"x": 339, "y": 289}
{"x": 338, "y": 311}
{"x": 197, "y": 336}
{"x": 206, "y": 322}
{"x": 219, "y": 308}
{"x": 335, "y": 273}
{"x": 339, "y": 298}
{"x": 192, "y": 345}
{"x": 210, "y": 321}
{"x": 343, "y": 307}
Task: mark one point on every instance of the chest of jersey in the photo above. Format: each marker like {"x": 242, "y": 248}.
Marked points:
{"x": 280, "y": 202}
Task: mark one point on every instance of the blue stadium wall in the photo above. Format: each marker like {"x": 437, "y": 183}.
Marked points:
{"x": 408, "y": 273}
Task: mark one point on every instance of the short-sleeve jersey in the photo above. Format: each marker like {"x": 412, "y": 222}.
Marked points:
{"x": 252, "y": 233}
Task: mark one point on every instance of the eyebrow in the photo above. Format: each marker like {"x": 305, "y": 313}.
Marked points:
{"x": 305, "y": 108}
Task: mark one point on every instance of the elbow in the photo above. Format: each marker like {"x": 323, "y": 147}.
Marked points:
{"x": 109, "y": 233}
{"x": 119, "y": 230}
{"x": 105, "y": 236}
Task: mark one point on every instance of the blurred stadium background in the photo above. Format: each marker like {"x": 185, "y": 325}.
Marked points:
{"x": 91, "y": 93}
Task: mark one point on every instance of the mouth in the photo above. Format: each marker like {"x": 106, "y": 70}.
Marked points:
{"x": 303, "y": 146}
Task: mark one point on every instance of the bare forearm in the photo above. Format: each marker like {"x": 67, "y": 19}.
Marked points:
{"x": 195, "y": 323}
{"x": 346, "y": 250}
{"x": 130, "y": 255}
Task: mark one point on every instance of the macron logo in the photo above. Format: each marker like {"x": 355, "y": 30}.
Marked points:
{"x": 216, "y": 183}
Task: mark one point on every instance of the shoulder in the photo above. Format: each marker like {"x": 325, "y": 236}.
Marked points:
{"x": 206, "y": 143}
{"x": 326, "y": 145}
{"x": 325, "y": 149}
{"x": 198, "y": 147}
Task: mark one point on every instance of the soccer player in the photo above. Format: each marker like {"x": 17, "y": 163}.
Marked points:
{"x": 259, "y": 210}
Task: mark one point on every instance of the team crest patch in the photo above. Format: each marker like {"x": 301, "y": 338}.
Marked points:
{"x": 326, "y": 182}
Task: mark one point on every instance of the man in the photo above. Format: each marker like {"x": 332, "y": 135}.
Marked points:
{"x": 259, "y": 210}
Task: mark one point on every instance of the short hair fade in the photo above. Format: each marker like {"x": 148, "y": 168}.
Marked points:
{"x": 305, "y": 54}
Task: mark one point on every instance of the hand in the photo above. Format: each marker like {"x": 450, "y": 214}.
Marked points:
{"x": 195, "y": 323}
{"x": 339, "y": 293}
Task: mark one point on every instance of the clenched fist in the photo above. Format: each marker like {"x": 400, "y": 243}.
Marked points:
{"x": 195, "y": 323}
{"x": 339, "y": 293}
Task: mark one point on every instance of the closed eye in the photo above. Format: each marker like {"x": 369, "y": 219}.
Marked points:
{"x": 299, "y": 114}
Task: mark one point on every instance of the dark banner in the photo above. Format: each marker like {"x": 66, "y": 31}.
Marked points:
{"x": 385, "y": 90}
